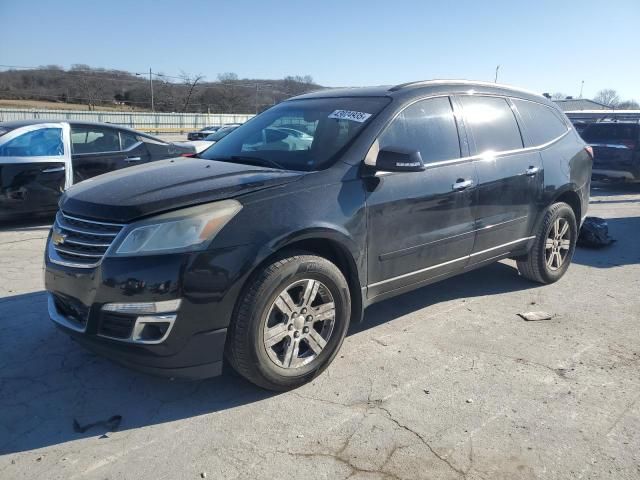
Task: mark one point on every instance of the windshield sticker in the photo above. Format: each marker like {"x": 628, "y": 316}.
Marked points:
{"x": 350, "y": 115}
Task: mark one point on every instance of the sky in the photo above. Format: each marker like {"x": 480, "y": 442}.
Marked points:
{"x": 545, "y": 46}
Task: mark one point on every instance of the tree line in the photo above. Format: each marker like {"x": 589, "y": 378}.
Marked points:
{"x": 185, "y": 92}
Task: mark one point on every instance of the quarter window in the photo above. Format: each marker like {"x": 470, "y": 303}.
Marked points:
{"x": 94, "y": 140}
{"x": 427, "y": 126}
{"x": 492, "y": 124}
{"x": 541, "y": 123}
{"x": 44, "y": 142}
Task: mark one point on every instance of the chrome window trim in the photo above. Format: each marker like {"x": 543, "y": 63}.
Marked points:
{"x": 432, "y": 267}
{"x": 110, "y": 152}
{"x": 480, "y": 156}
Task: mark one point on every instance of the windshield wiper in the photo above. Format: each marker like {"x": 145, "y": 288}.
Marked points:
{"x": 263, "y": 162}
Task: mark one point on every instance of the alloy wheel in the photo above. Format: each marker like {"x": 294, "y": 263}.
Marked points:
{"x": 558, "y": 244}
{"x": 299, "y": 323}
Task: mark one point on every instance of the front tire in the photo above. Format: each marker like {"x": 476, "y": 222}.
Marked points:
{"x": 553, "y": 247}
{"x": 290, "y": 322}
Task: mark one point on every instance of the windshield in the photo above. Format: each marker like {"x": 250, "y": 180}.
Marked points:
{"x": 220, "y": 134}
{"x": 298, "y": 134}
{"x": 610, "y": 132}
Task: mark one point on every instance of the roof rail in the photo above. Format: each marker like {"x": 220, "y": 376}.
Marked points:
{"x": 471, "y": 83}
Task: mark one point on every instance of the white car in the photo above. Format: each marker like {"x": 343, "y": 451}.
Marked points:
{"x": 201, "y": 145}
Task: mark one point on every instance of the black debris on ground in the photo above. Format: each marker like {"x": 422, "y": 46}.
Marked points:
{"x": 594, "y": 233}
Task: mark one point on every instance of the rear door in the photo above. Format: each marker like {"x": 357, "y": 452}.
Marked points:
{"x": 98, "y": 149}
{"x": 420, "y": 224}
{"x": 510, "y": 177}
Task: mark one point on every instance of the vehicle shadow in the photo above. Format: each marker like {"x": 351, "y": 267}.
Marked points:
{"x": 624, "y": 251}
{"x": 47, "y": 380}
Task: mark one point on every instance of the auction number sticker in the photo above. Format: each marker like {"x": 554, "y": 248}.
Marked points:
{"x": 350, "y": 115}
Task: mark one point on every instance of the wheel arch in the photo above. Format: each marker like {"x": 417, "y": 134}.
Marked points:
{"x": 325, "y": 242}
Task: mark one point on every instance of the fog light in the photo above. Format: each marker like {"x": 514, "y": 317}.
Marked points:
{"x": 152, "y": 329}
{"x": 139, "y": 308}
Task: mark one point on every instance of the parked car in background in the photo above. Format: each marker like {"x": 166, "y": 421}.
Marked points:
{"x": 200, "y": 146}
{"x": 41, "y": 159}
{"x": 203, "y": 132}
{"x": 266, "y": 255}
{"x": 616, "y": 150}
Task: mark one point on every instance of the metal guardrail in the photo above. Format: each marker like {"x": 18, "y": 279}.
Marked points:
{"x": 143, "y": 121}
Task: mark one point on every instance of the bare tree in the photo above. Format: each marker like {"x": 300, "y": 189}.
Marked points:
{"x": 558, "y": 96}
{"x": 628, "y": 105}
{"x": 608, "y": 96}
{"x": 190, "y": 82}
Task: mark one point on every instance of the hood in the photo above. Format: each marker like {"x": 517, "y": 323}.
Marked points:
{"x": 134, "y": 192}
{"x": 198, "y": 146}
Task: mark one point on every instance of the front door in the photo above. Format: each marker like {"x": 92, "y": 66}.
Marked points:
{"x": 97, "y": 150}
{"x": 420, "y": 224}
{"x": 510, "y": 177}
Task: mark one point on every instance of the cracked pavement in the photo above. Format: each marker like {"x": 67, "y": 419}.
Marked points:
{"x": 446, "y": 382}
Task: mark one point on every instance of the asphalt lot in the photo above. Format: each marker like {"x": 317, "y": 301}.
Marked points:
{"x": 444, "y": 382}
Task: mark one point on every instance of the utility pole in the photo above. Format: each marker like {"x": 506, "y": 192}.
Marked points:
{"x": 581, "y": 88}
{"x": 495, "y": 80}
{"x": 151, "y": 86}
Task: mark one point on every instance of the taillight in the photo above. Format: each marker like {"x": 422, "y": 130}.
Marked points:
{"x": 188, "y": 154}
{"x": 589, "y": 150}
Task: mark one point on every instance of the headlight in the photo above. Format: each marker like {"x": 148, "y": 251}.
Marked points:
{"x": 188, "y": 229}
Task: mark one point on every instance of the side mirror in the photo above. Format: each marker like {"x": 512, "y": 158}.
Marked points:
{"x": 399, "y": 160}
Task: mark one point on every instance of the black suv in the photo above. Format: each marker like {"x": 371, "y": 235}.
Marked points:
{"x": 266, "y": 248}
{"x": 616, "y": 150}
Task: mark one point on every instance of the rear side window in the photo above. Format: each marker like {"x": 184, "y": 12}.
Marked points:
{"x": 127, "y": 139}
{"x": 540, "y": 122}
{"x": 44, "y": 142}
{"x": 492, "y": 124}
{"x": 94, "y": 140}
{"x": 427, "y": 126}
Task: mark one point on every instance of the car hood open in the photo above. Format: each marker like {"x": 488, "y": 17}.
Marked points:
{"x": 131, "y": 193}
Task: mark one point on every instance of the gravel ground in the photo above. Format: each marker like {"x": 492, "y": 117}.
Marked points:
{"x": 445, "y": 382}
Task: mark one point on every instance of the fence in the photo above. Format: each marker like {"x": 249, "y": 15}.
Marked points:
{"x": 143, "y": 121}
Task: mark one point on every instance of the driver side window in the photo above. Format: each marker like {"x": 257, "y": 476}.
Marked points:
{"x": 428, "y": 126}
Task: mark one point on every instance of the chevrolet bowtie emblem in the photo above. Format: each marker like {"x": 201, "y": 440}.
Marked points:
{"x": 58, "y": 237}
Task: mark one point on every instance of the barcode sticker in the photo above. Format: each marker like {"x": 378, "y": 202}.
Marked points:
{"x": 350, "y": 115}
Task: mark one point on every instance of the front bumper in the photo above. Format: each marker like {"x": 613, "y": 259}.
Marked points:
{"x": 208, "y": 284}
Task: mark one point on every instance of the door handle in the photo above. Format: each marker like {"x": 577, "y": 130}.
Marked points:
{"x": 462, "y": 184}
{"x": 53, "y": 169}
{"x": 132, "y": 159}
{"x": 531, "y": 171}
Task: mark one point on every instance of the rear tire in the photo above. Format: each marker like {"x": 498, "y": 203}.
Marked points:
{"x": 553, "y": 247}
{"x": 290, "y": 322}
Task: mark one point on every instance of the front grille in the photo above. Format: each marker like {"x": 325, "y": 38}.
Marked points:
{"x": 72, "y": 309}
{"x": 81, "y": 242}
{"x": 116, "y": 326}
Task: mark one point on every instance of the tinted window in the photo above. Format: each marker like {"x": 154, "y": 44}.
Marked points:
{"x": 492, "y": 123}
{"x": 331, "y": 123}
{"x": 541, "y": 123}
{"x": 44, "y": 142}
{"x": 94, "y": 140}
{"x": 610, "y": 132}
{"x": 427, "y": 126}
{"x": 128, "y": 139}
